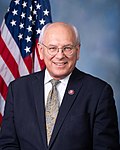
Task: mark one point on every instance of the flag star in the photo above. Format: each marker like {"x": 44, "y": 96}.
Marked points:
{"x": 31, "y": 8}
{"x": 20, "y": 36}
{"x": 33, "y": 22}
{"x": 30, "y": 18}
{"x": 24, "y": 4}
{"x": 46, "y": 12}
{"x": 28, "y": 39}
{"x": 38, "y": 31}
{"x": 29, "y": 28}
{"x": 21, "y": 25}
{"x": 27, "y": 49}
{"x": 35, "y": 2}
{"x": 13, "y": 23}
{"x": 34, "y": 12}
{"x": 42, "y": 21}
{"x": 14, "y": 12}
{"x": 38, "y": 6}
{"x": 23, "y": 15}
{"x": 36, "y": 16}
{"x": 17, "y": 2}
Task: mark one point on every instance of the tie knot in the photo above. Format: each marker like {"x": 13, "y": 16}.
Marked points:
{"x": 54, "y": 82}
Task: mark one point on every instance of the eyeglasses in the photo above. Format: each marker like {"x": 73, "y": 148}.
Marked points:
{"x": 67, "y": 49}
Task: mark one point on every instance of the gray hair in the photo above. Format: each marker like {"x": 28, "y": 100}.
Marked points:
{"x": 72, "y": 26}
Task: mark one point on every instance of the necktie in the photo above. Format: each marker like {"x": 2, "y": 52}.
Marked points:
{"x": 52, "y": 108}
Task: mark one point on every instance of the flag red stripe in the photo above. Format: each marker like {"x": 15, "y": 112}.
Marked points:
{"x": 9, "y": 59}
{"x": 3, "y": 88}
{"x": 28, "y": 62}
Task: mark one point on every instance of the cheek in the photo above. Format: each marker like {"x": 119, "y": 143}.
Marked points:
{"x": 47, "y": 60}
{"x": 46, "y": 57}
{"x": 74, "y": 59}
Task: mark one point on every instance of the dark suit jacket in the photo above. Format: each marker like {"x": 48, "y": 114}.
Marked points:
{"x": 87, "y": 119}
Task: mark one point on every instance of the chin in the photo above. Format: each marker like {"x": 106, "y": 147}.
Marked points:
{"x": 60, "y": 75}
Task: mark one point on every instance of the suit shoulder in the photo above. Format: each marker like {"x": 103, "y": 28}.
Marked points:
{"x": 96, "y": 83}
{"x": 27, "y": 78}
{"x": 91, "y": 80}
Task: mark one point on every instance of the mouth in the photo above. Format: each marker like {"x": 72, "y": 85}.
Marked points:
{"x": 60, "y": 64}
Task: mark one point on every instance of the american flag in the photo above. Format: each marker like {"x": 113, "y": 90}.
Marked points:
{"x": 19, "y": 34}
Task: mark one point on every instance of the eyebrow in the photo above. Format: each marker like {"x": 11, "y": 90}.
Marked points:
{"x": 62, "y": 46}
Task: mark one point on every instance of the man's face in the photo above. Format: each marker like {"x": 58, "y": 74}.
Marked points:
{"x": 60, "y": 65}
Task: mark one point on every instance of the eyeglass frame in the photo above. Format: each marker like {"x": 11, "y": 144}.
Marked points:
{"x": 57, "y": 49}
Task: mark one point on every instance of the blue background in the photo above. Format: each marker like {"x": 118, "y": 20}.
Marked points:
{"x": 98, "y": 22}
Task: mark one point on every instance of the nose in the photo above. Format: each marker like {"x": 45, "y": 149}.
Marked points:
{"x": 60, "y": 53}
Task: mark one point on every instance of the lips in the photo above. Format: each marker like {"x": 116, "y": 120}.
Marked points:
{"x": 60, "y": 63}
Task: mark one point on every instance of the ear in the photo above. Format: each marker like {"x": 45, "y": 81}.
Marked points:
{"x": 40, "y": 50}
{"x": 78, "y": 52}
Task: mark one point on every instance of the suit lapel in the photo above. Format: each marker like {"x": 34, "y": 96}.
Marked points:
{"x": 38, "y": 91}
{"x": 74, "y": 85}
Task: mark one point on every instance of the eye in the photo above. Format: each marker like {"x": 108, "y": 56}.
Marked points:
{"x": 52, "y": 49}
{"x": 67, "y": 48}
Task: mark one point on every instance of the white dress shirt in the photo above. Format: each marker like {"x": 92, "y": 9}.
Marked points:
{"x": 61, "y": 87}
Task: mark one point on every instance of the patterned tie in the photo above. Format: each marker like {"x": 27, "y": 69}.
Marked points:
{"x": 52, "y": 108}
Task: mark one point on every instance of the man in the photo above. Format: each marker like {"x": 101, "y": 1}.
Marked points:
{"x": 86, "y": 119}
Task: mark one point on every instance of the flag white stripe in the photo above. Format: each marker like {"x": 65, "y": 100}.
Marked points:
{"x": 2, "y": 105}
{"x": 36, "y": 63}
{"x": 5, "y": 72}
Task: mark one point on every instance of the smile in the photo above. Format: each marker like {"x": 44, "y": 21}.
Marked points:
{"x": 60, "y": 64}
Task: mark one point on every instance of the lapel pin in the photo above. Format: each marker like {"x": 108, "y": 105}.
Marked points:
{"x": 71, "y": 92}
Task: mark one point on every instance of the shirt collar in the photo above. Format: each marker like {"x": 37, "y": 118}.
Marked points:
{"x": 47, "y": 77}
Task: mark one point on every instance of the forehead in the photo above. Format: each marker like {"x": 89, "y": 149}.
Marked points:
{"x": 59, "y": 32}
